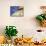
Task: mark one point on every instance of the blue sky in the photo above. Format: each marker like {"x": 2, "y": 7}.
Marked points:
{"x": 13, "y": 9}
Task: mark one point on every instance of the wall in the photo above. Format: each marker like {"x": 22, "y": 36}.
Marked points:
{"x": 26, "y": 25}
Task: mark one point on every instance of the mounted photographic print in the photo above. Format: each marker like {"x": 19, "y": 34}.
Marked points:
{"x": 17, "y": 11}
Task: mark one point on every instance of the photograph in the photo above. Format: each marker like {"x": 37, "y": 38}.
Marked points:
{"x": 17, "y": 11}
